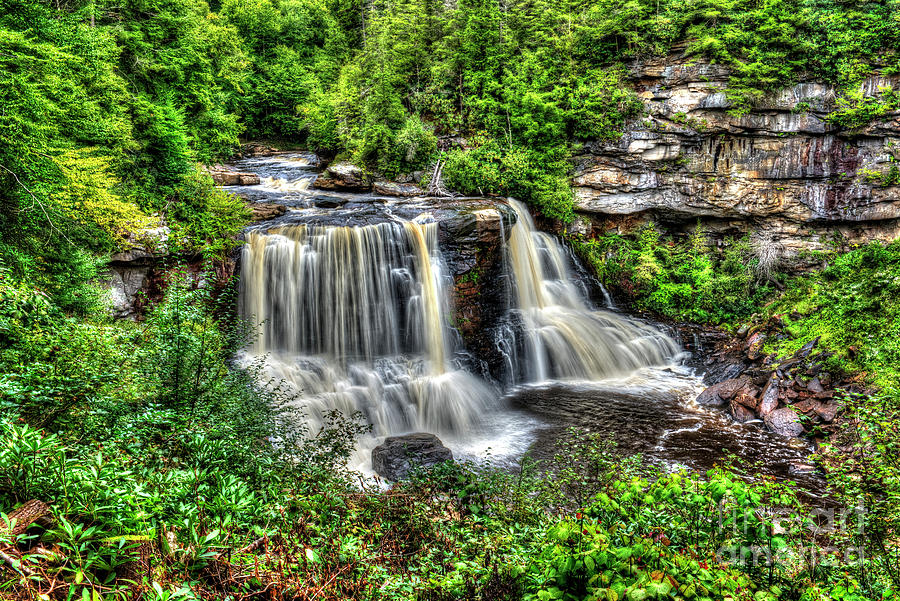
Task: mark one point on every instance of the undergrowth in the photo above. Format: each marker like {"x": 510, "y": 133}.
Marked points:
{"x": 683, "y": 278}
{"x": 170, "y": 473}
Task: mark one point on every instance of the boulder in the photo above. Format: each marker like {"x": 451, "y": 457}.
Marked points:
{"x": 755, "y": 345}
{"x": 344, "y": 176}
{"x": 740, "y": 413}
{"x": 125, "y": 282}
{"x": 263, "y": 211}
{"x": 784, "y": 422}
{"x": 815, "y": 386}
{"x": 718, "y": 394}
{"x": 386, "y": 188}
{"x": 398, "y": 455}
{"x": 769, "y": 400}
{"x": 826, "y": 411}
{"x": 226, "y": 177}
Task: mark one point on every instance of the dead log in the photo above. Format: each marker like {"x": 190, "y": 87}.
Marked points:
{"x": 31, "y": 512}
{"x": 11, "y": 557}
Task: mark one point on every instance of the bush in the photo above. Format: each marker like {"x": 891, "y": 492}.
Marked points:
{"x": 488, "y": 168}
{"x": 851, "y": 306}
{"x": 682, "y": 279}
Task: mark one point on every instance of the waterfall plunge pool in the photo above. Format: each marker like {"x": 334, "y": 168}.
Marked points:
{"x": 354, "y": 298}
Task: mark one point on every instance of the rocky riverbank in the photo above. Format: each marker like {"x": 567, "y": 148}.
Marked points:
{"x": 795, "y": 395}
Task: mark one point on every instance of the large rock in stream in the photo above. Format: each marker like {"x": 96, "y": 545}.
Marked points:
{"x": 785, "y": 422}
{"x": 397, "y": 456}
{"x": 344, "y": 176}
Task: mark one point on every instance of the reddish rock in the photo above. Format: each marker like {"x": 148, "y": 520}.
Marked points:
{"x": 815, "y": 386}
{"x": 747, "y": 398}
{"x": 754, "y": 346}
{"x": 826, "y": 411}
{"x": 718, "y": 394}
{"x": 740, "y": 412}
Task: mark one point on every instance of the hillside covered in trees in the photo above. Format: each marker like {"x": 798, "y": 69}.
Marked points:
{"x": 152, "y": 458}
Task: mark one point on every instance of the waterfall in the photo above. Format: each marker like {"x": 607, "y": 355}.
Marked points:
{"x": 356, "y": 319}
{"x": 552, "y": 332}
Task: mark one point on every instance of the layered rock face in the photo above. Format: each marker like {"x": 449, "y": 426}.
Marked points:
{"x": 783, "y": 171}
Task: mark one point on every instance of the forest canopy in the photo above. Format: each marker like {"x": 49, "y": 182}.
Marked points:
{"x": 108, "y": 108}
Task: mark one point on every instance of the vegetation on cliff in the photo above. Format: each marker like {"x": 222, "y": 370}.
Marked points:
{"x": 107, "y": 108}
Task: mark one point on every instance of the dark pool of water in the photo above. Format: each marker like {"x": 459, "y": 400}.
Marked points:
{"x": 653, "y": 413}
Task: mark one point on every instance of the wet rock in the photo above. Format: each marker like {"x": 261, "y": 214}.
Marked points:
{"x": 263, "y": 211}
{"x": 386, "y": 188}
{"x": 719, "y": 394}
{"x": 740, "y": 412}
{"x": 472, "y": 240}
{"x": 226, "y": 177}
{"x": 769, "y": 399}
{"x": 328, "y": 202}
{"x": 784, "y": 422}
{"x": 398, "y": 455}
{"x": 344, "y": 176}
{"x": 799, "y": 468}
{"x": 721, "y": 370}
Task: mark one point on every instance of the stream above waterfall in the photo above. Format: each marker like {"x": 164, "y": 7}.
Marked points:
{"x": 358, "y": 298}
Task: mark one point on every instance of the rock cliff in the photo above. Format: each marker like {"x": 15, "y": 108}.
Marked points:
{"x": 783, "y": 171}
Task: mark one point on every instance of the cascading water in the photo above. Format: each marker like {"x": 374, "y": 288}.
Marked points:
{"x": 556, "y": 334}
{"x": 355, "y": 318}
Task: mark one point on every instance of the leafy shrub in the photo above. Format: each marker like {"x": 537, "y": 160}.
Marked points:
{"x": 681, "y": 279}
{"x": 489, "y": 168}
{"x": 851, "y": 307}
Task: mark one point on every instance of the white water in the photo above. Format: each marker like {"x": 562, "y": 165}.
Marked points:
{"x": 355, "y": 319}
{"x": 556, "y": 334}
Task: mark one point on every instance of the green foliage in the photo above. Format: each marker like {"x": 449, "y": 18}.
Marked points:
{"x": 490, "y": 168}
{"x": 869, "y": 481}
{"x": 681, "y": 279}
{"x": 855, "y": 109}
{"x": 144, "y": 436}
{"x": 851, "y": 306}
